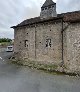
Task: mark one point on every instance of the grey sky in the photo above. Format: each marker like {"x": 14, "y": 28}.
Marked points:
{"x": 13, "y": 12}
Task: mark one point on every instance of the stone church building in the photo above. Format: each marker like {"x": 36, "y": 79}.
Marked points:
{"x": 50, "y": 38}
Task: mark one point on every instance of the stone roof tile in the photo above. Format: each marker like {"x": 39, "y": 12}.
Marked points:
{"x": 72, "y": 16}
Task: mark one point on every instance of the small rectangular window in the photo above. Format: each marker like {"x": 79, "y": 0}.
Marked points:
{"x": 52, "y": 6}
{"x": 49, "y": 7}
{"x": 48, "y": 42}
{"x": 45, "y": 8}
{"x": 42, "y": 9}
{"x": 26, "y": 43}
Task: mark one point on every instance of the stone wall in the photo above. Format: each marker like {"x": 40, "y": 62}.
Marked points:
{"x": 44, "y": 32}
{"x": 48, "y": 12}
{"x": 21, "y": 35}
{"x": 72, "y": 47}
{"x": 44, "y": 43}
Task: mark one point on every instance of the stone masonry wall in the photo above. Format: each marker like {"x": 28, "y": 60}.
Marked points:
{"x": 46, "y": 53}
{"x": 43, "y": 42}
{"x": 72, "y": 47}
{"x": 21, "y": 35}
{"x": 49, "y": 12}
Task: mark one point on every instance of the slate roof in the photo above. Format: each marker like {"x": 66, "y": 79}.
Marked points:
{"x": 48, "y": 3}
{"x": 67, "y": 17}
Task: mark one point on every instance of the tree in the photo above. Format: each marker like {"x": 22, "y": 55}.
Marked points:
{"x": 5, "y": 40}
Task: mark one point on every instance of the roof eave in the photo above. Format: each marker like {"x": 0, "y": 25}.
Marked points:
{"x": 13, "y": 27}
{"x": 56, "y": 18}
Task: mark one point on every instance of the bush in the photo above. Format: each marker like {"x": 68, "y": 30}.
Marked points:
{"x": 5, "y": 40}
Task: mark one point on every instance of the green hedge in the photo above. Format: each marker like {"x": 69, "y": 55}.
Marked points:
{"x": 5, "y": 40}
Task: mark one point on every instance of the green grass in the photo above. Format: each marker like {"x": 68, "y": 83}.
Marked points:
{"x": 49, "y": 68}
{"x": 4, "y": 44}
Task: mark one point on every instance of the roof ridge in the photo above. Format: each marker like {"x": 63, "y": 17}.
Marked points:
{"x": 69, "y": 12}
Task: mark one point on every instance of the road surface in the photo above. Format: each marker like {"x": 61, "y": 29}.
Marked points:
{"x": 14, "y": 78}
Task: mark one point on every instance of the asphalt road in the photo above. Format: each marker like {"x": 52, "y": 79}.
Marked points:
{"x": 14, "y": 78}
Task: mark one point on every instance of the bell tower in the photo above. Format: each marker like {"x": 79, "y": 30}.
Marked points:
{"x": 48, "y": 9}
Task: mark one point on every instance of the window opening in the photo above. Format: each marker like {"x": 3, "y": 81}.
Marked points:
{"x": 48, "y": 42}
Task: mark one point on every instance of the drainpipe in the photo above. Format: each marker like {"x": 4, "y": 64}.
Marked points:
{"x": 62, "y": 45}
{"x": 35, "y": 40}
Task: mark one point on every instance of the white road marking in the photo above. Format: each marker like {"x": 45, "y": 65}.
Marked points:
{"x": 1, "y": 58}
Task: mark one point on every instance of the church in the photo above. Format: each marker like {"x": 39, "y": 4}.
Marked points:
{"x": 50, "y": 38}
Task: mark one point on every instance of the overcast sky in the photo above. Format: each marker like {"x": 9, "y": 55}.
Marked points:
{"x": 13, "y": 12}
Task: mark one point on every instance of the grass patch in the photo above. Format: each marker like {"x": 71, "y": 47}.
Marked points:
{"x": 4, "y": 44}
{"x": 49, "y": 68}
